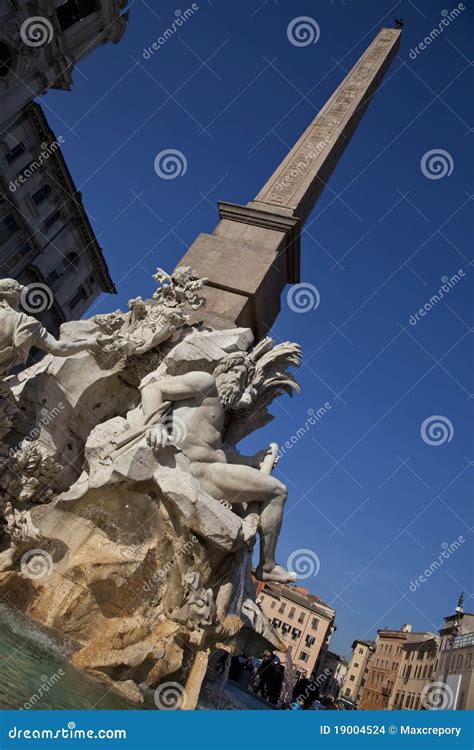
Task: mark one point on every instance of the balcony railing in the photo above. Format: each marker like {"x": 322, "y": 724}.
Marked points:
{"x": 462, "y": 641}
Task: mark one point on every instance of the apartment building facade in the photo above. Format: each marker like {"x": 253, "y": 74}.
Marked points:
{"x": 383, "y": 668}
{"x": 357, "y": 670}
{"x": 46, "y": 238}
{"x": 416, "y": 673}
{"x": 303, "y": 621}
{"x": 455, "y": 663}
{"x": 42, "y": 41}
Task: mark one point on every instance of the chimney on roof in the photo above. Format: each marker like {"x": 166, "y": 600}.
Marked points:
{"x": 406, "y": 628}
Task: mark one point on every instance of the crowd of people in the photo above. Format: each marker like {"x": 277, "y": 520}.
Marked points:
{"x": 265, "y": 678}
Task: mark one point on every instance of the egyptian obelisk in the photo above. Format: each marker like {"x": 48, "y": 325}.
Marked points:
{"x": 255, "y": 249}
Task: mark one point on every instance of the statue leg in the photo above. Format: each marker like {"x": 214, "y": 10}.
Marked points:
{"x": 242, "y": 484}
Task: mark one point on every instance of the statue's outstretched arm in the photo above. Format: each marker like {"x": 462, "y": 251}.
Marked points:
{"x": 47, "y": 343}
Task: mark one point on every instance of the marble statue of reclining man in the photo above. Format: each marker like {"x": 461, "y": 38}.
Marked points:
{"x": 199, "y": 402}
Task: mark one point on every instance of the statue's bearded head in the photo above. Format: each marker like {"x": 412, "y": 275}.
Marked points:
{"x": 232, "y": 375}
{"x": 10, "y": 292}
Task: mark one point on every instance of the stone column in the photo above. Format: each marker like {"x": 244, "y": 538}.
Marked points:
{"x": 255, "y": 249}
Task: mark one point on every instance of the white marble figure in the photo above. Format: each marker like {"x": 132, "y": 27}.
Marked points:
{"x": 20, "y": 332}
{"x": 199, "y": 402}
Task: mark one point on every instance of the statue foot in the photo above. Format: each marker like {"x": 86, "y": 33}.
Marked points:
{"x": 276, "y": 574}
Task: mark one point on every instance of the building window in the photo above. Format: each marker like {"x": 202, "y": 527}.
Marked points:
{"x": 348, "y": 691}
{"x": 52, "y": 219}
{"x": 79, "y": 296}
{"x": 276, "y": 622}
{"x": 8, "y": 228}
{"x": 301, "y": 618}
{"x": 25, "y": 247}
{"x": 356, "y": 665}
{"x": 282, "y": 608}
{"x": 6, "y": 59}
{"x": 295, "y": 634}
{"x": 304, "y": 656}
{"x": 361, "y": 651}
{"x": 73, "y": 11}
{"x": 52, "y": 278}
{"x": 314, "y": 623}
{"x": 41, "y": 194}
{"x": 272, "y": 605}
{"x": 309, "y": 641}
{"x": 352, "y": 678}
{"x": 285, "y": 628}
{"x": 291, "y": 613}
{"x": 16, "y": 151}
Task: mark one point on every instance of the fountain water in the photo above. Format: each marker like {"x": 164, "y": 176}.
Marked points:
{"x": 289, "y": 679}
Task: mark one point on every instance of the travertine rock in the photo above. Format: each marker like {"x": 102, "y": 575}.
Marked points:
{"x": 134, "y": 553}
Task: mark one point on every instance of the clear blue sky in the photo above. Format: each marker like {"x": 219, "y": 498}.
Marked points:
{"x": 367, "y": 494}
